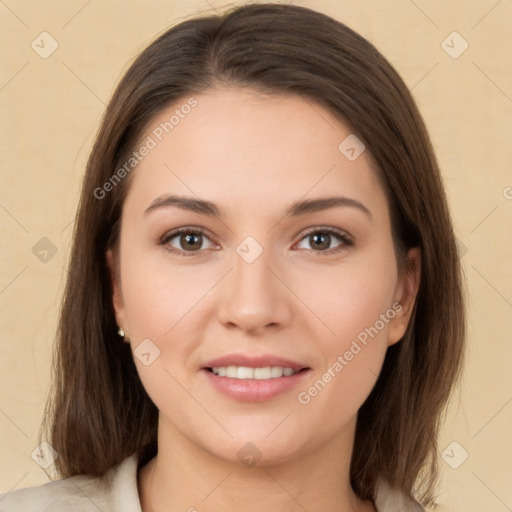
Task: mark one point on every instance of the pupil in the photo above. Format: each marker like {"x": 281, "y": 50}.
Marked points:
{"x": 321, "y": 241}
{"x": 190, "y": 240}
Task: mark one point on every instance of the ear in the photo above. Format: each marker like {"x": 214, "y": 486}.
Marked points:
{"x": 117, "y": 296}
{"x": 405, "y": 295}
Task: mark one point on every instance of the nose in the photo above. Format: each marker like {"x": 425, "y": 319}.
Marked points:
{"x": 254, "y": 300}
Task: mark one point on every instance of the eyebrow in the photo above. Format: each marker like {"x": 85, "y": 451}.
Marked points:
{"x": 296, "y": 209}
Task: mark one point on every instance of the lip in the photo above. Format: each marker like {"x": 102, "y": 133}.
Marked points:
{"x": 254, "y": 390}
{"x": 256, "y": 361}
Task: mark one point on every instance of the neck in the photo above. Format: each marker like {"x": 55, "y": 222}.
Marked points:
{"x": 185, "y": 477}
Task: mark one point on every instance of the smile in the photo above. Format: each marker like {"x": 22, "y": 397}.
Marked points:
{"x": 245, "y": 372}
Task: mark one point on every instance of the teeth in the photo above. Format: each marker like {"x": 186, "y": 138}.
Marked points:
{"x": 244, "y": 372}
{"x": 264, "y": 373}
{"x": 276, "y": 371}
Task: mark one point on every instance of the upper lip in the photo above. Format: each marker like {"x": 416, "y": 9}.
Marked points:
{"x": 255, "y": 361}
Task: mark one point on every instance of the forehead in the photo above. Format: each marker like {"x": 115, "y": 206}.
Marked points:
{"x": 241, "y": 144}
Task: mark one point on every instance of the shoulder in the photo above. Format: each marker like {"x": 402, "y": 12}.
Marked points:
{"x": 115, "y": 492}
{"x": 391, "y": 500}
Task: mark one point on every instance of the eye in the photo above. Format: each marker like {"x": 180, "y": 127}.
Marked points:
{"x": 322, "y": 240}
{"x": 186, "y": 241}
{"x": 192, "y": 241}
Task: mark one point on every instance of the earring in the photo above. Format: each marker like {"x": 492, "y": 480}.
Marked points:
{"x": 120, "y": 332}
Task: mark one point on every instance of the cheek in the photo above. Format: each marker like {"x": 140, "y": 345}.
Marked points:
{"x": 160, "y": 296}
{"x": 353, "y": 355}
{"x": 164, "y": 304}
{"x": 355, "y": 306}
{"x": 349, "y": 298}
{"x": 337, "y": 393}
{"x": 170, "y": 305}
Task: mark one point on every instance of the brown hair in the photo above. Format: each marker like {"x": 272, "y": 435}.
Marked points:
{"x": 98, "y": 412}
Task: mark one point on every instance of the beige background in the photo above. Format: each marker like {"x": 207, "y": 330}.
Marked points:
{"x": 51, "y": 109}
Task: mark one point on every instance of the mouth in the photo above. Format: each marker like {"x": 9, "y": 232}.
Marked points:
{"x": 258, "y": 367}
{"x": 259, "y": 373}
{"x": 254, "y": 378}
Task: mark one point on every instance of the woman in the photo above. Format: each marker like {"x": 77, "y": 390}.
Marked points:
{"x": 264, "y": 305}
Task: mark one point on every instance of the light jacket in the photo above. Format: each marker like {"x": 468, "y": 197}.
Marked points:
{"x": 117, "y": 492}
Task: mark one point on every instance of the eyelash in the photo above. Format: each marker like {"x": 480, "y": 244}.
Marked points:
{"x": 344, "y": 238}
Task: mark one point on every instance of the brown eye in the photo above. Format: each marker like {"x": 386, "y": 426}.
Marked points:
{"x": 191, "y": 241}
{"x": 320, "y": 241}
{"x": 186, "y": 241}
{"x": 325, "y": 240}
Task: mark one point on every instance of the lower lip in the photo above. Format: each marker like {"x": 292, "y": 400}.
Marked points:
{"x": 253, "y": 390}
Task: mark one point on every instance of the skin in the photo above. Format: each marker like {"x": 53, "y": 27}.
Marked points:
{"x": 254, "y": 155}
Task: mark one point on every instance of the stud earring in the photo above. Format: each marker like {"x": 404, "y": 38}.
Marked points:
{"x": 120, "y": 332}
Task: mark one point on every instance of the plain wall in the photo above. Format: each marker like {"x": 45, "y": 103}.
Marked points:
{"x": 51, "y": 108}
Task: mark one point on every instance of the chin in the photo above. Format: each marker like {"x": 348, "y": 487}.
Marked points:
{"x": 255, "y": 448}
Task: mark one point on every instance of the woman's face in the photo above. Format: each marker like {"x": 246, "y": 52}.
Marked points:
{"x": 285, "y": 260}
